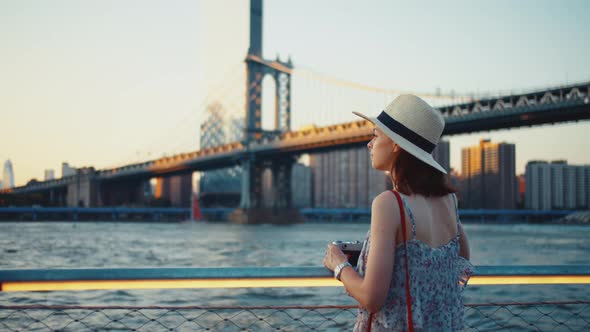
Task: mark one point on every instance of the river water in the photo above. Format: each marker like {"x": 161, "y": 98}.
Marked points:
{"x": 185, "y": 244}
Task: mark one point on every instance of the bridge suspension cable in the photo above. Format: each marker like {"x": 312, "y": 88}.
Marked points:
{"x": 184, "y": 133}
{"x": 321, "y": 99}
{"x": 360, "y": 86}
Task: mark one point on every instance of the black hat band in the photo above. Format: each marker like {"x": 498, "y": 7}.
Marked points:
{"x": 406, "y": 132}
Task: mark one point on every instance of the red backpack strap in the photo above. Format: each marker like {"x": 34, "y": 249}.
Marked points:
{"x": 402, "y": 213}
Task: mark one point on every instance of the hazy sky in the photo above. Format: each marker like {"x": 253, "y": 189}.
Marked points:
{"x": 104, "y": 83}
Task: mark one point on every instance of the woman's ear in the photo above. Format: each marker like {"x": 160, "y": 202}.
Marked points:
{"x": 395, "y": 147}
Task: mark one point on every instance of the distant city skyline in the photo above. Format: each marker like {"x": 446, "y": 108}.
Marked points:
{"x": 106, "y": 86}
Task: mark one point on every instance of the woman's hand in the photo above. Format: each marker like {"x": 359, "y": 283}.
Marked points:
{"x": 334, "y": 257}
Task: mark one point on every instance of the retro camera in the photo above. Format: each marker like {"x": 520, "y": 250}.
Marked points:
{"x": 351, "y": 249}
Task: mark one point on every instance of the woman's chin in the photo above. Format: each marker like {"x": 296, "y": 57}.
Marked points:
{"x": 376, "y": 166}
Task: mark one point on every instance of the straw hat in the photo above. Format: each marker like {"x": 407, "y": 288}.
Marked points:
{"x": 413, "y": 124}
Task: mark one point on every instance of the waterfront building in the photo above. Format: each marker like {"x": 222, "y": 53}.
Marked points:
{"x": 442, "y": 155}
{"x": 586, "y": 171}
{"x": 581, "y": 191}
{"x": 557, "y": 171}
{"x": 557, "y": 185}
{"x": 569, "y": 188}
{"x": 8, "y": 175}
{"x": 488, "y": 176}
{"x": 538, "y": 194}
{"x": 345, "y": 179}
{"x": 49, "y": 174}
{"x": 66, "y": 170}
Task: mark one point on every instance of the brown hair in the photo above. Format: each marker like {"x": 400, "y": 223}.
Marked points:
{"x": 412, "y": 176}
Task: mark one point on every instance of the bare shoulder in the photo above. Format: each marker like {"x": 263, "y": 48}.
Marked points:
{"x": 385, "y": 207}
{"x": 384, "y": 200}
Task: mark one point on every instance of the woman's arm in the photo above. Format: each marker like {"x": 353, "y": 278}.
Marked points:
{"x": 371, "y": 291}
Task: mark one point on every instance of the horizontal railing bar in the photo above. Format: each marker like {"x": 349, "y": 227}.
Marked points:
{"x": 506, "y": 304}
{"x": 251, "y": 277}
{"x": 255, "y": 272}
{"x": 191, "y": 307}
{"x": 161, "y": 273}
{"x": 256, "y": 307}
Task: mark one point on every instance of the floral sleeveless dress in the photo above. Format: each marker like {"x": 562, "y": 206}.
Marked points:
{"x": 437, "y": 279}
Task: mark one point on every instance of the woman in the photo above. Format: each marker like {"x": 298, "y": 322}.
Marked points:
{"x": 404, "y": 136}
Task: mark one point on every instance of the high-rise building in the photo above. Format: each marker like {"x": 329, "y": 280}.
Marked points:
{"x": 220, "y": 127}
{"x": 488, "y": 176}
{"x": 557, "y": 171}
{"x": 49, "y": 174}
{"x": 442, "y": 154}
{"x": 8, "y": 175}
{"x": 581, "y": 186}
{"x": 569, "y": 187}
{"x": 556, "y": 185}
{"x": 538, "y": 194}
{"x": 471, "y": 182}
{"x": 66, "y": 170}
{"x": 345, "y": 179}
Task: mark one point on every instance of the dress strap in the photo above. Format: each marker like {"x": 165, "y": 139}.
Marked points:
{"x": 456, "y": 213}
{"x": 411, "y": 217}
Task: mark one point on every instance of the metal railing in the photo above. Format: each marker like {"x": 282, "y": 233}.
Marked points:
{"x": 532, "y": 316}
{"x": 252, "y": 277}
{"x": 510, "y": 316}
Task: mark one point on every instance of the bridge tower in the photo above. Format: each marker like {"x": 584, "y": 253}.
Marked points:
{"x": 251, "y": 208}
{"x": 256, "y": 69}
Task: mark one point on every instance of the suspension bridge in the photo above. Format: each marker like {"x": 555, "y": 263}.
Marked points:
{"x": 235, "y": 137}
